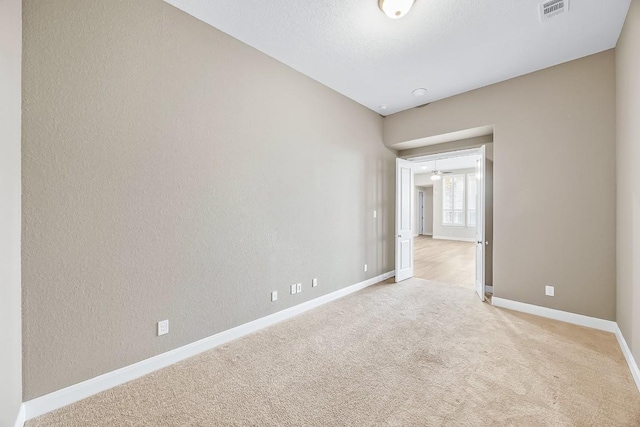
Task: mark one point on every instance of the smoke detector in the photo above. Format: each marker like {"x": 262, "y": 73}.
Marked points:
{"x": 419, "y": 92}
{"x": 552, "y": 8}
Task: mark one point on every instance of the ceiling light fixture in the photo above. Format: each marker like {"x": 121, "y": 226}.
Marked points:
{"x": 436, "y": 175}
{"x": 395, "y": 9}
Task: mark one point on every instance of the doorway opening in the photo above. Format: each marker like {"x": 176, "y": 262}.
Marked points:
{"x": 444, "y": 219}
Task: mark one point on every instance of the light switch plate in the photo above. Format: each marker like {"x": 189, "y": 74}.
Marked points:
{"x": 299, "y": 288}
{"x": 274, "y": 296}
{"x": 163, "y": 327}
{"x": 294, "y": 289}
{"x": 549, "y": 291}
{"x": 314, "y": 283}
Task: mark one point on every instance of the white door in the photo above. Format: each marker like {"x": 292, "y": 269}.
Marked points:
{"x": 404, "y": 233}
{"x": 480, "y": 224}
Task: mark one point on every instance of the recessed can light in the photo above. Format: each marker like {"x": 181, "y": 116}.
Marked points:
{"x": 383, "y": 107}
{"x": 419, "y": 92}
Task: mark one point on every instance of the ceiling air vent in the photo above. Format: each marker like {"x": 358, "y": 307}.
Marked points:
{"x": 552, "y": 8}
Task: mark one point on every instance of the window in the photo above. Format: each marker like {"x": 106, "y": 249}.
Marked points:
{"x": 472, "y": 192}
{"x": 459, "y": 194}
{"x": 453, "y": 200}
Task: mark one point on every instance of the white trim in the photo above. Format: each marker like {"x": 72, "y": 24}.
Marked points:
{"x": 488, "y": 288}
{"x": 427, "y": 234}
{"x": 444, "y": 154}
{"x": 577, "y": 319}
{"x": 21, "y": 417}
{"x": 66, "y": 396}
{"x": 460, "y": 239}
{"x": 633, "y": 366}
{"x": 550, "y": 313}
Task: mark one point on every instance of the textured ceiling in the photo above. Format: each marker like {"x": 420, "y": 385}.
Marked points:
{"x": 445, "y": 46}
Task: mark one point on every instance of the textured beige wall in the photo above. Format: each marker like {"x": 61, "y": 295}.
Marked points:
{"x": 172, "y": 172}
{"x": 553, "y": 223}
{"x": 10, "y": 299}
{"x": 628, "y": 179}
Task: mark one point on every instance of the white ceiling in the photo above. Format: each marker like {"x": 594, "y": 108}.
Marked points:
{"x": 448, "y": 164}
{"x": 445, "y": 46}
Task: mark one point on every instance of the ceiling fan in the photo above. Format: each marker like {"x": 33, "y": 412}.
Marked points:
{"x": 436, "y": 175}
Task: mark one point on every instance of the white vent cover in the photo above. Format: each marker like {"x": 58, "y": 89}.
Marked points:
{"x": 552, "y": 8}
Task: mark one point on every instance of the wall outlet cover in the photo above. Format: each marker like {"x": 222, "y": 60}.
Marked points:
{"x": 549, "y": 291}
{"x": 274, "y": 296}
{"x": 314, "y": 283}
{"x": 163, "y": 327}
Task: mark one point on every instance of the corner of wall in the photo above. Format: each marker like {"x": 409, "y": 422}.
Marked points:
{"x": 10, "y": 212}
{"x": 627, "y": 65}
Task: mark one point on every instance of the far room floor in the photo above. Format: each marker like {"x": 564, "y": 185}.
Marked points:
{"x": 447, "y": 261}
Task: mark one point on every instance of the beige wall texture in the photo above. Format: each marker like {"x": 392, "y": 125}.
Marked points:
{"x": 10, "y": 298}
{"x": 628, "y": 179}
{"x": 552, "y": 130}
{"x": 172, "y": 172}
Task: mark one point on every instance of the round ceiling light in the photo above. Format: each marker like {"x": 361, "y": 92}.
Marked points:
{"x": 395, "y": 9}
{"x": 383, "y": 107}
{"x": 419, "y": 92}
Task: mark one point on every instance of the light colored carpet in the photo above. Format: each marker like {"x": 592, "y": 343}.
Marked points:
{"x": 410, "y": 354}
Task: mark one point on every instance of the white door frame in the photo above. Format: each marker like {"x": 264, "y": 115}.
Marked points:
{"x": 481, "y": 188}
{"x": 420, "y": 212}
{"x": 480, "y": 225}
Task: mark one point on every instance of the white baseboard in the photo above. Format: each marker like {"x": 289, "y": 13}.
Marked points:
{"x": 459, "y": 239}
{"x": 66, "y": 396}
{"x": 21, "y": 417}
{"x": 577, "y": 319}
{"x": 633, "y": 366}
{"x": 550, "y": 313}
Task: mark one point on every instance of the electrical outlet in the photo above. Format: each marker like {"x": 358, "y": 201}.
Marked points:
{"x": 299, "y": 288}
{"x": 549, "y": 291}
{"x": 163, "y": 327}
{"x": 294, "y": 289}
{"x": 314, "y": 283}
{"x": 365, "y": 268}
{"x": 274, "y": 296}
